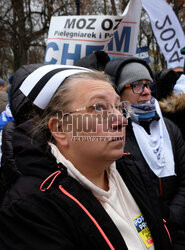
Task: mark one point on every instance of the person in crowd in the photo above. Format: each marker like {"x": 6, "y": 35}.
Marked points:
{"x": 72, "y": 194}
{"x": 18, "y": 111}
{"x": 154, "y": 144}
{"x": 5, "y": 114}
{"x": 97, "y": 61}
{"x": 170, "y": 92}
{"x": 5, "y": 117}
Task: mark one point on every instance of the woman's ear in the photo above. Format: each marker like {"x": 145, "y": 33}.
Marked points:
{"x": 55, "y": 127}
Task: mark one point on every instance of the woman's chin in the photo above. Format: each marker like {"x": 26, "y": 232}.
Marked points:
{"x": 113, "y": 156}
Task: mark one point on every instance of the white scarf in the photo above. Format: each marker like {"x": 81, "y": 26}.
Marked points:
{"x": 117, "y": 201}
{"x": 156, "y": 147}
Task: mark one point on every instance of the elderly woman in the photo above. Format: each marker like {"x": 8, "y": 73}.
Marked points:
{"x": 70, "y": 194}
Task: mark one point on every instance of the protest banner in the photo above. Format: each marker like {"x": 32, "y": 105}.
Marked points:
{"x": 73, "y": 37}
{"x": 142, "y": 53}
{"x": 125, "y": 38}
{"x": 167, "y": 30}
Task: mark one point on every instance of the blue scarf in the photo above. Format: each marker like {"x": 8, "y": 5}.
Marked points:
{"x": 143, "y": 112}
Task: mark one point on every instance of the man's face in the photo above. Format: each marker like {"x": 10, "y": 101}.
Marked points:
{"x": 128, "y": 95}
{"x": 99, "y": 137}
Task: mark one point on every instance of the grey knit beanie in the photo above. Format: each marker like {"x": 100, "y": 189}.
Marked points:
{"x": 132, "y": 72}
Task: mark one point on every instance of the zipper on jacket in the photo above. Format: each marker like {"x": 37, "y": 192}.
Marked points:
{"x": 89, "y": 215}
{"x": 164, "y": 221}
{"x": 54, "y": 176}
{"x": 160, "y": 187}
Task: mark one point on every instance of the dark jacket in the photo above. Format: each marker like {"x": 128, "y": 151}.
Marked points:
{"x": 168, "y": 191}
{"x": 9, "y": 172}
{"x": 21, "y": 109}
{"x": 32, "y": 219}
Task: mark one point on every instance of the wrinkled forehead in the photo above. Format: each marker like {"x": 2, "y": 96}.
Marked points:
{"x": 89, "y": 90}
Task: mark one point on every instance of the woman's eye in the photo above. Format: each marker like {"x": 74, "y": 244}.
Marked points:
{"x": 100, "y": 107}
{"x": 119, "y": 108}
{"x": 137, "y": 85}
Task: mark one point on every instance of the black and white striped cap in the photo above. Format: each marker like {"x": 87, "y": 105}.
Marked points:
{"x": 40, "y": 86}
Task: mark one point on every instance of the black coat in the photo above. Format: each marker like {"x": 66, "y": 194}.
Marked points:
{"x": 8, "y": 171}
{"x": 32, "y": 219}
{"x": 169, "y": 192}
{"x": 21, "y": 108}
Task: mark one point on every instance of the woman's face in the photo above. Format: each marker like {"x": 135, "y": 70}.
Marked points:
{"x": 96, "y": 135}
{"x": 128, "y": 95}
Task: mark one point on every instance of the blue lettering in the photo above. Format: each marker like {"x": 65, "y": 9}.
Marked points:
{"x": 73, "y": 56}
{"x": 110, "y": 45}
{"x": 139, "y": 220}
{"x": 125, "y": 36}
{"x": 54, "y": 47}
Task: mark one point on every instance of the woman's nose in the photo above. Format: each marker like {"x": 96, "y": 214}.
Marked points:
{"x": 146, "y": 90}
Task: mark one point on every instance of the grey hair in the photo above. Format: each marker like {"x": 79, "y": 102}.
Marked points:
{"x": 61, "y": 100}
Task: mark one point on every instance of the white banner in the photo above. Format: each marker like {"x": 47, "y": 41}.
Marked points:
{"x": 126, "y": 37}
{"x": 73, "y": 37}
{"x": 167, "y": 30}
